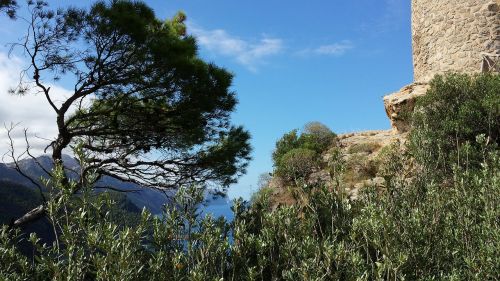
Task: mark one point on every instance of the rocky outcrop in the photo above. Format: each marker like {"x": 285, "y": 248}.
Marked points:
{"x": 447, "y": 36}
{"x": 400, "y": 105}
{"x": 361, "y": 152}
{"x": 378, "y": 138}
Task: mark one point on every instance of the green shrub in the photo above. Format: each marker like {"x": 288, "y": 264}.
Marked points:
{"x": 297, "y": 164}
{"x": 296, "y": 156}
{"x": 358, "y": 168}
{"x": 287, "y": 142}
{"x": 393, "y": 164}
{"x": 456, "y": 109}
{"x": 317, "y": 137}
{"x": 417, "y": 231}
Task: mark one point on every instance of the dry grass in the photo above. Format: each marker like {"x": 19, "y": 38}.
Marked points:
{"x": 366, "y": 147}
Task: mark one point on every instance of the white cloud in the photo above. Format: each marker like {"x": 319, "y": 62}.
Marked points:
{"x": 334, "y": 49}
{"x": 30, "y": 111}
{"x": 248, "y": 54}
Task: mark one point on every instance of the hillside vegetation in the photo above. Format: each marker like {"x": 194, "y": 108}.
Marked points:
{"x": 436, "y": 217}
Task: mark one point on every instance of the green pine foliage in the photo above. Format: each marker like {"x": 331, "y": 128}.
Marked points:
{"x": 8, "y": 7}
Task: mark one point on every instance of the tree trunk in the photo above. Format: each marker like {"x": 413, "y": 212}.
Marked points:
{"x": 31, "y": 216}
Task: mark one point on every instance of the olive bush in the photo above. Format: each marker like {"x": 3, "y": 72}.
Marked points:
{"x": 456, "y": 110}
{"x": 416, "y": 230}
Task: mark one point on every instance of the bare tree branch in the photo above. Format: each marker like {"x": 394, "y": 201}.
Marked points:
{"x": 15, "y": 160}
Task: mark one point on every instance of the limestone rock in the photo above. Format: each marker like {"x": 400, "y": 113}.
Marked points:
{"x": 360, "y": 152}
{"x": 379, "y": 137}
{"x": 319, "y": 177}
{"x": 399, "y": 105}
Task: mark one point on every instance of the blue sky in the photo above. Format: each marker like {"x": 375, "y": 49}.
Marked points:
{"x": 294, "y": 62}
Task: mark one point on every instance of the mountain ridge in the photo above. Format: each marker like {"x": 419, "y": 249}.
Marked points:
{"x": 142, "y": 197}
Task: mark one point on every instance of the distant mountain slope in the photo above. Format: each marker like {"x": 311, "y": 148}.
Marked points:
{"x": 17, "y": 199}
{"x": 151, "y": 199}
{"x": 141, "y": 197}
{"x": 18, "y": 195}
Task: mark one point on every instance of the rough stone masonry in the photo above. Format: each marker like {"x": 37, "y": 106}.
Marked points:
{"x": 447, "y": 36}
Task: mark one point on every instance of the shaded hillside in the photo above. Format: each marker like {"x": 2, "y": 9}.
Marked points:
{"x": 141, "y": 197}
{"x": 17, "y": 199}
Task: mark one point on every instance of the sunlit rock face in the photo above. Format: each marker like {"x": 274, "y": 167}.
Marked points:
{"x": 399, "y": 105}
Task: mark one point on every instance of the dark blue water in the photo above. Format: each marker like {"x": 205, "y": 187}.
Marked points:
{"x": 218, "y": 207}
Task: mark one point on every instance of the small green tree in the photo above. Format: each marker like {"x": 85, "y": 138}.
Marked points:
{"x": 296, "y": 156}
{"x": 297, "y": 164}
{"x": 287, "y": 142}
{"x": 317, "y": 137}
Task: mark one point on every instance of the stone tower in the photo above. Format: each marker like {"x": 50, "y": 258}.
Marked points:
{"x": 453, "y": 36}
{"x": 447, "y": 36}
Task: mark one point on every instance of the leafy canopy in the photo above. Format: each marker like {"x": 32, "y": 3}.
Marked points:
{"x": 297, "y": 164}
{"x": 315, "y": 137}
{"x": 148, "y": 109}
{"x": 297, "y": 156}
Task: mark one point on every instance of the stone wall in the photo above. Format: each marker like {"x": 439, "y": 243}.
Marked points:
{"x": 452, "y": 35}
